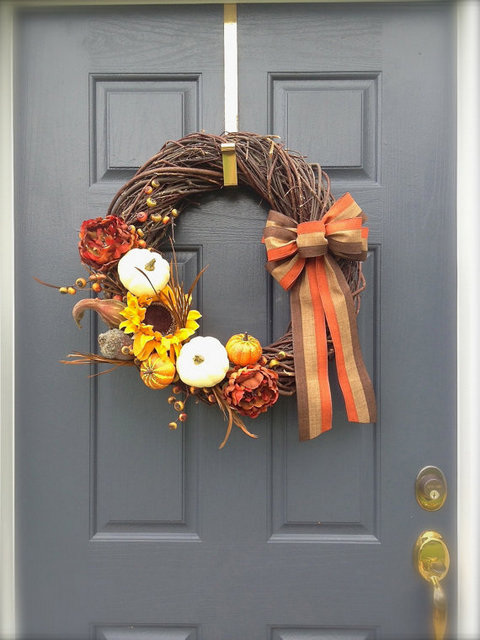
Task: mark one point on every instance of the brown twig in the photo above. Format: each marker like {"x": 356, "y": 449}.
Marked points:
{"x": 192, "y": 166}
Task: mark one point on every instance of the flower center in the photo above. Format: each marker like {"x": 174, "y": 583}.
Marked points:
{"x": 160, "y": 318}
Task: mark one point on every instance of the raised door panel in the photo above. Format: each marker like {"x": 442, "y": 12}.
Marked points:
{"x": 323, "y": 634}
{"x": 158, "y": 107}
{"x": 145, "y": 632}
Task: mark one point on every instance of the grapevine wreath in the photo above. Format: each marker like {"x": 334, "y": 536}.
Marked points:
{"x": 314, "y": 246}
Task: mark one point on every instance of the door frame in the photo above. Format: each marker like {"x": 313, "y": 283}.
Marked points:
{"x": 468, "y": 302}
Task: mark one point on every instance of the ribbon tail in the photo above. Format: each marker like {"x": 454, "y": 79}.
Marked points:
{"x": 354, "y": 380}
{"x": 311, "y": 356}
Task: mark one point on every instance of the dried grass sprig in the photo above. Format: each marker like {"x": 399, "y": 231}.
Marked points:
{"x": 93, "y": 358}
{"x": 233, "y": 416}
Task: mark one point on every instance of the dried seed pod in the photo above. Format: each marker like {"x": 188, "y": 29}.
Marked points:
{"x": 172, "y": 426}
{"x": 112, "y": 344}
{"x": 171, "y": 399}
{"x": 80, "y": 283}
{"x": 178, "y": 405}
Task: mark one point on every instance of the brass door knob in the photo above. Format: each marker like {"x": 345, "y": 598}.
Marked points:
{"x": 432, "y": 561}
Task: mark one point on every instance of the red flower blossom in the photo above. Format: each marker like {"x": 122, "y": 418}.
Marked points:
{"x": 251, "y": 389}
{"x": 104, "y": 241}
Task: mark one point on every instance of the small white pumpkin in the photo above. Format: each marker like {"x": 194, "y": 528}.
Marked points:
{"x": 136, "y": 265}
{"x": 203, "y": 362}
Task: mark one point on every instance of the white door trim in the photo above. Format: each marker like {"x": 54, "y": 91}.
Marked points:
{"x": 7, "y": 331}
{"x": 468, "y": 308}
{"x": 468, "y": 305}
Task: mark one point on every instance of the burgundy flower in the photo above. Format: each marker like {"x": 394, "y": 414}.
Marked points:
{"x": 104, "y": 241}
{"x": 251, "y": 389}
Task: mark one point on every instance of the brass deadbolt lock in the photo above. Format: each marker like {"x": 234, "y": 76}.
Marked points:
{"x": 431, "y": 488}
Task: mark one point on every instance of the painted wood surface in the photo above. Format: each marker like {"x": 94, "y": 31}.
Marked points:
{"x": 128, "y": 530}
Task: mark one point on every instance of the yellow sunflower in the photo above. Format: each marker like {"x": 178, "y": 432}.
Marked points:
{"x": 157, "y": 326}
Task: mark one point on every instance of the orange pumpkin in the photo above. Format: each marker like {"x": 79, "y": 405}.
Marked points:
{"x": 157, "y": 372}
{"x": 243, "y": 349}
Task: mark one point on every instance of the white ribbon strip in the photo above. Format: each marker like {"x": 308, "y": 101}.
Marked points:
{"x": 230, "y": 53}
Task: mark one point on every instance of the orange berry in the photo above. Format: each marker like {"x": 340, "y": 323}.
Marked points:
{"x": 182, "y": 417}
{"x": 148, "y": 189}
{"x": 151, "y": 202}
{"x": 155, "y": 183}
{"x": 63, "y": 290}
{"x": 71, "y": 290}
{"x": 96, "y": 287}
{"x": 175, "y": 213}
{"x": 156, "y": 217}
{"x": 142, "y": 216}
{"x": 166, "y": 219}
{"x": 142, "y": 244}
{"x": 80, "y": 282}
{"x": 178, "y": 406}
{"x": 172, "y": 426}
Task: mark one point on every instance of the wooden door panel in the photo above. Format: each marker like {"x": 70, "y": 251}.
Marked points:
{"x": 143, "y": 476}
{"x": 158, "y": 107}
{"x": 145, "y": 632}
{"x": 323, "y": 634}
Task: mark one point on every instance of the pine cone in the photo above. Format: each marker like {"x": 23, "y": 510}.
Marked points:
{"x": 250, "y": 390}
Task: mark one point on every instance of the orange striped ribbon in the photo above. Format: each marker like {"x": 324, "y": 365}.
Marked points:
{"x": 300, "y": 258}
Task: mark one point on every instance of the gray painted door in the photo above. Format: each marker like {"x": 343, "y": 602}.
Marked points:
{"x": 129, "y": 531}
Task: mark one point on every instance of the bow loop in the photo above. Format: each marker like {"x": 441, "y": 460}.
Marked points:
{"x": 299, "y": 258}
{"x": 311, "y": 240}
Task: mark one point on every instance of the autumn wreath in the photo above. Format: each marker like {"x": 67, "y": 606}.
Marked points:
{"x": 314, "y": 246}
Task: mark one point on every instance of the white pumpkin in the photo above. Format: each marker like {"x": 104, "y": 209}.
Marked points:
{"x": 141, "y": 271}
{"x": 203, "y": 362}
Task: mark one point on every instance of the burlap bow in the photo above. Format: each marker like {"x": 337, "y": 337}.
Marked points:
{"x": 299, "y": 257}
